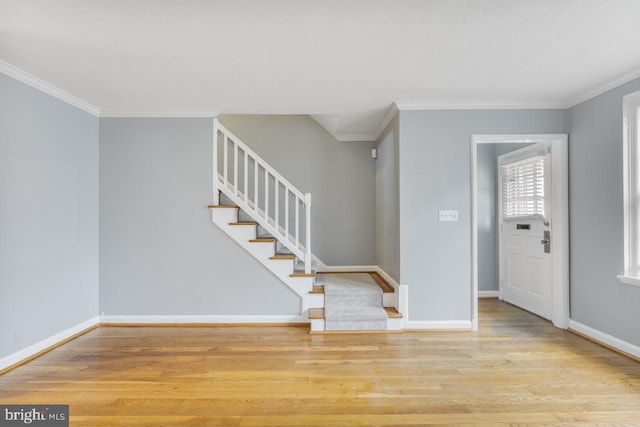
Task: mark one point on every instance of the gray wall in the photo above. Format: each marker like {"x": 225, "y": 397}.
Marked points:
{"x": 387, "y": 201}
{"x": 48, "y": 216}
{"x": 487, "y": 221}
{"x": 160, "y": 254}
{"x": 598, "y": 299}
{"x": 434, "y": 174}
{"x": 339, "y": 175}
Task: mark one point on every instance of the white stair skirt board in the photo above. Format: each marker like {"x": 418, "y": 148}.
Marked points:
{"x": 605, "y": 339}
{"x": 47, "y": 343}
{"x": 282, "y": 269}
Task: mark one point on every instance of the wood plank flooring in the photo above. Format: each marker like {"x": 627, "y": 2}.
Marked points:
{"x": 517, "y": 370}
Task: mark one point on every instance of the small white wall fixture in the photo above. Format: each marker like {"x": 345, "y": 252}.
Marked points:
{"x": 559, "y": 215}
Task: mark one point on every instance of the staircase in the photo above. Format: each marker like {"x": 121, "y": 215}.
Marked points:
{"x": 270, "y": 219}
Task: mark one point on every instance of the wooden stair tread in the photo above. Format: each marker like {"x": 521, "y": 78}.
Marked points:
{"x": 301, "y": 273}
{"x": 380, "y": 281}
{"x": 243, "y": 223}
{"x": 317, "y": 290}
{"x": 266, "y": 240}
{"x": 283, "y": 257}
{"x": 223, "y": 207}
{"x": 393, "y": 313}
{"x": 318, "y": 313}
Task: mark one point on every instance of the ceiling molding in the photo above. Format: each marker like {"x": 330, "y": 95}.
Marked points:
{"x": 49, "y": 89}
{"x": 477, "y": 105}
{"x": 356, "y": 137}
{"x": 390, "y": 114}
{"x": 605, "y": 87}
{"x": 159, "y": 114}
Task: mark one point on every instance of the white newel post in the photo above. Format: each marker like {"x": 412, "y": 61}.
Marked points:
{"x": 307, "y": 241}
{"x": 216, "y": 194}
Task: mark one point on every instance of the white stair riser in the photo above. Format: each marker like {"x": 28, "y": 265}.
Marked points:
{"x": 394, "y": 324}
{"x": 260, "y": 250}
{"x": 389, "y": 300}
{"x": 313, "y": 301}
{"x": 223, "y": 215}
{"x": 317, "y": 325}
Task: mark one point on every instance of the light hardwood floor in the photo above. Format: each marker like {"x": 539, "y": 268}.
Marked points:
{"x": 517, "y": 370}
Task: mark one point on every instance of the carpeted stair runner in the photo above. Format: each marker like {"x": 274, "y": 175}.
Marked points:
{"x": 352, "y": 302}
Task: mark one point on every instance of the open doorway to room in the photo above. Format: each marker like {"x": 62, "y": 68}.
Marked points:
{"x": 500, "y": 259}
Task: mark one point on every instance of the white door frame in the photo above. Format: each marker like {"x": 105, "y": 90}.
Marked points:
{"x": 559, "y": 214}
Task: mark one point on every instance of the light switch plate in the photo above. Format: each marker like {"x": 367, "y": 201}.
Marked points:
{"x": 447, "y": 215}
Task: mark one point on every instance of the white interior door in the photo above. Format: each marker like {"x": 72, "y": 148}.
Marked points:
{"x": 525, "y": 229}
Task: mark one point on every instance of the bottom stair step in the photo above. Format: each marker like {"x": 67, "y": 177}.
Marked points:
{"x": 318, "y": 313}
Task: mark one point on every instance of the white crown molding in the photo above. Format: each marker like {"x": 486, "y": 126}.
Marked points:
{"x": 47, "y": 343}
{"x": 199, "y": 319}
{"x": 604, "y": 338}
{"x": 391, "y": 113}
{"x": 478, "y": 105}
{"x": 49, "y": 89}
{"x": 159, "y": 114}
{"x": 355, "y": 137}
{"x": 605, "y": 87}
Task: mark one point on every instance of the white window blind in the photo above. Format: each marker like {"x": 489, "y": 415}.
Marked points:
{"x": 523, "y": 188}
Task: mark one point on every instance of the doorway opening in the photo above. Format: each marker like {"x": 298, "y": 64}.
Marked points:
{"x": 557, "y": 246}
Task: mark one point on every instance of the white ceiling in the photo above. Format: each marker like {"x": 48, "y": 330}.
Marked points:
{"x": 343, "y": 61}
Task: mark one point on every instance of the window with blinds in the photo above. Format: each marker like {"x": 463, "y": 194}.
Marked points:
{"x": 523, "y": 188}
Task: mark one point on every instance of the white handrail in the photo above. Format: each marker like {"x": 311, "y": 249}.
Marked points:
{"x": 239, "y": 193}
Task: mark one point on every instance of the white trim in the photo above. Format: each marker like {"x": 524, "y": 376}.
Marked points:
{"x": 559, "y": 214}
{"x": 488, "y": 294}
{"x": 388, "y": 117}
{"x": 387, "y": 277}
{"x": 49, "y": 89}
{"x": 605, "y": 338}
{"x": 630, "y": 109}
{"x": 159, "y": 114}
{"x": 200, "y": 319}
{"x": 605, "y": 87}
{"x": 342, "y": 268}
{"x": 403, "y": 304}
{"x": 46, "y": 343}
{"x": 440, "y": 325}
{"x": 628, "y": 280}
{"x": 356, "y": 137}
{"x": 479, "y": 105}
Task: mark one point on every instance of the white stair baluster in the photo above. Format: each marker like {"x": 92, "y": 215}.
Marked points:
{"x": 225, "y": 160}
{"x": 246, "y": 176}
{"x": 216, "y": 195}
{"x": 235, "y": 167}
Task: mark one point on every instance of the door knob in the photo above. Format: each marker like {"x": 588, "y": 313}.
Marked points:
{"x": 544, "y": 241}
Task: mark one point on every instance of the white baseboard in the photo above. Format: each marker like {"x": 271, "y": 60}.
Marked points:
{"x": 605, "y": 338}
{"x": 387, "y": 277}
{"x": 200, "y": 319}
{"x": 342, "y": 268}
{"x": 440, "y": 325}
{"x": 46, "y": 343}
{"x": 488, "y": 294}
